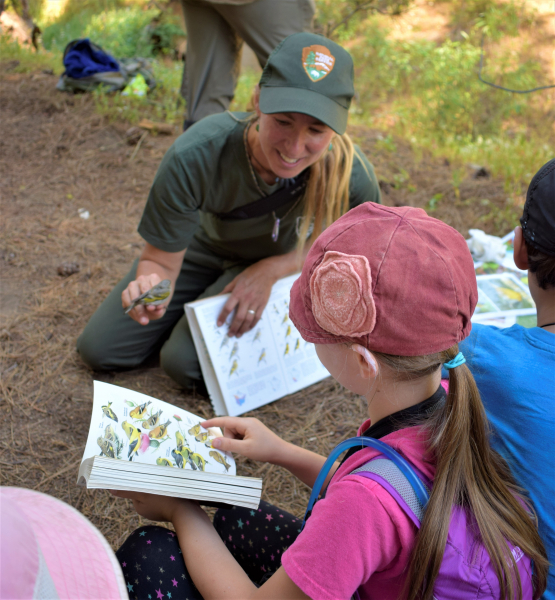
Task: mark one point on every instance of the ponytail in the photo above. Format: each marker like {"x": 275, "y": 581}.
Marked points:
{"x": 327, "y": 193}
{"x": 471, "y": 475}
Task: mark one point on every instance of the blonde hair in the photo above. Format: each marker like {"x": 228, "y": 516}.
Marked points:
{"x": 468, "y": 474}
{"x": 327, "y": 192}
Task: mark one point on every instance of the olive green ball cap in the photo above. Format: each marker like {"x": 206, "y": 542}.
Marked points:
{"x": 309, "y": 74}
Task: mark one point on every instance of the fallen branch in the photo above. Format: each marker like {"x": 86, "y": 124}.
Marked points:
{"x": 165, "y": 128}
{"x": 138, "y": 146}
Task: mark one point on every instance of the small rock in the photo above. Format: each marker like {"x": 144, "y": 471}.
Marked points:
{"x": 481, "y": 173}
{"x": 68, "y": 268}
{"x": 133, "y": 135}
{"x": 385, "y": 186}
{"x": 83, "y": 213}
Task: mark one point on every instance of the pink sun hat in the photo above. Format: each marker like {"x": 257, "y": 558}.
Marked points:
{"x": 49, "y": 550}
{"x": 391, "y": 279}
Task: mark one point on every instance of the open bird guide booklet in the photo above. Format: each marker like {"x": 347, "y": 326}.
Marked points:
{"x": 141, "y": 444}
{"x": 270, "y": 361}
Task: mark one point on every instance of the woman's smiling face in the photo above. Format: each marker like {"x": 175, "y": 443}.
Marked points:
{"x": 291, "y": 142}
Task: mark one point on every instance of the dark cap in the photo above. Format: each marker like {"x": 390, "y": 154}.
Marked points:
{"x": 538, "y": 218}
{"x": 391, "y": 279}
{"x": 309, "y": 74}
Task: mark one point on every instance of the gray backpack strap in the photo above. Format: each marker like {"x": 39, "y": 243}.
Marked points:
{"x": 389, "y": 476}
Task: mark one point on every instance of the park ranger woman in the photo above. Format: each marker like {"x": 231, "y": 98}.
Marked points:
{"x": 235, "y": 205}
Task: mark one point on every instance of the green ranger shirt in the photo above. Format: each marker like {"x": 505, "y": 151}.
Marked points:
{"x": 205, "y": 172}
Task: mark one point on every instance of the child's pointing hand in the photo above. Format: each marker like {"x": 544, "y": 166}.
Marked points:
{"x": 247, "y": 436}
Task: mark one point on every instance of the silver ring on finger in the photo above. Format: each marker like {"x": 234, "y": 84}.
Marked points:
{"x": 251, "y": 311}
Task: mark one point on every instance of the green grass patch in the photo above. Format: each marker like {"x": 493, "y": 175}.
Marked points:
{"x": 244, "y": 91}
{"x": 124, "y": 31}
{"x": 29, "y": 61}
{"x": 429, "y": 94}
{"x": 163, "y": 104}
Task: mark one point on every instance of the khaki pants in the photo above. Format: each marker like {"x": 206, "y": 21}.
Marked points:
{"x": 215, "y": 36}
{"x": 113, "y": 341}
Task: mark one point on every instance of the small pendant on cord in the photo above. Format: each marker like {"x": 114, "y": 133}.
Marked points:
{"x": 275, "y": 230}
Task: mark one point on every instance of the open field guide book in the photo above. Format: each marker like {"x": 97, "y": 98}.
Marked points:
{"x": 141, "y": 444}
{"x": 269, "y": 362}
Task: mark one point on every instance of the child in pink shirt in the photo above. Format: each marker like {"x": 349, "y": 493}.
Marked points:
{"x": 386, "y": 294}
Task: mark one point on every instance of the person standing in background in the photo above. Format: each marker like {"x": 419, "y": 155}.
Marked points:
{"x": 216, "y": 31}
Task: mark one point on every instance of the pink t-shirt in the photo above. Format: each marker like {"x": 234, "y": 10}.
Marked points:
{"x": 358, "y": 538}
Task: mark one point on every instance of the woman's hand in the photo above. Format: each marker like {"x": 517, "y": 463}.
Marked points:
{"x": 156, "y": 508}
{"x": 154, "y": 266}
{"x": 249, "y": 437}
{"x": 250, "y": 291}
{"x": 143, "y": 314}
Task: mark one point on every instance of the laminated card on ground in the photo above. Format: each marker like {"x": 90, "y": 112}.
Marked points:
{"x": 503, "y": 300}
{"x": 267, "y": 363}
{"x": 141, "y": 444}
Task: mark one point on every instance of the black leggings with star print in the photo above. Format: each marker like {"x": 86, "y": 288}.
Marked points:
{"x": 154, "y": 568}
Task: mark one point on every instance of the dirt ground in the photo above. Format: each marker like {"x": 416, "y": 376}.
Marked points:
{"x": 56, "y": 157}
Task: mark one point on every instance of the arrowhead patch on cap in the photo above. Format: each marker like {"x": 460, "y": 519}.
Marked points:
{"x": 318, "y": 62}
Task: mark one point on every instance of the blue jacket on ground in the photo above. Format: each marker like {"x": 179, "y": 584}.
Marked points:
{"x": 83, "y": 58}
{"x": 514, "y": 369}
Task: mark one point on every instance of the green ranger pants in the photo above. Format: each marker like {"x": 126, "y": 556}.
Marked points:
{"x": 215, "y": 36}
{"x": 112, "y": 340}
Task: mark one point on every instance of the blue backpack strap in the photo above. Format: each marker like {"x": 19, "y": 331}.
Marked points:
{"x": 403, "y": 465}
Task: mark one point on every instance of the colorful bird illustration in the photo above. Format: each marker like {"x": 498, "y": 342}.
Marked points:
{"x": 139, "y": 411}
{"x": 240, "y": 398}
{"x": 156, "y": 295}
{"x": 194, "y": 430}
{"x": 186, "y": 453}
{"x": 199, "y": 461}
{"x": 181, "y": 457}
{"x": 202, "y": 436}
{"x": 257, "y": 335}
{"x": 276, "y": 310}
{"x": 234, "y": 350}
{"x": 159, "y": 432}
{"x": 109, "y": 412}
{"x": 298, "y": 344}
{"x": 152, "y": 421}
{"x": 286, "y": 349}
{"x": 285, "y": 318}
{"x": 110, "y": 434}
{"x": 262, "y": 356}
{"x": 106, "y": 447}
{"x": 225, "y": 342}
{"x": 164, "y": 462}
{"x": 220, "y": 458}
{"x": 234, "y": 368}
{"x": 288, "y": 332}
{"x": 179, "y": 440}
{"x": 510, "y": 294}
{"x": 134, "y": 435}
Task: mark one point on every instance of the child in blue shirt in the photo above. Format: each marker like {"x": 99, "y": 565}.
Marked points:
{"x": 514, "y": 368}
